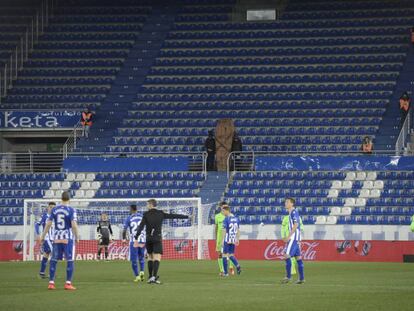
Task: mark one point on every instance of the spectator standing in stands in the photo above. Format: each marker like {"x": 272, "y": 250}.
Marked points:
{"x": 367, "y": 146}
{"x": 210, "y": 145}
{"x": 404, "y": 107}
{"x": 86, "y": 121}
{"x": 236, "y": 146}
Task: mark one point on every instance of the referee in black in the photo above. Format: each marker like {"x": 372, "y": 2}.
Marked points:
{"x": 152, "y": 221}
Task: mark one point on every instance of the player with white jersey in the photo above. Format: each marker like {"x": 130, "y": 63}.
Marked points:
{"x": 46, "y": 246}
{"x": 136, "y": 246}
{"x": 230, "y": 238}
{"x": 292, "y": 240}
{"x": 64, "y": 219}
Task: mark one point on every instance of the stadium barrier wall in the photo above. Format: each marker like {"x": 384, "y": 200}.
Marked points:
{"x": 322, "y": 243}
{"x": 333, "y": 163}
{"x": 315, "y": 250}
{"x": 133, "y": 164}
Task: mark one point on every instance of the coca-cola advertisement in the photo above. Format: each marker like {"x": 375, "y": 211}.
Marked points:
{"x": 325, "y": 250}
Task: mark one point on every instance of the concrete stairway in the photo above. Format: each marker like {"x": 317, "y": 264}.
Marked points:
{"x": 213, "y": 188}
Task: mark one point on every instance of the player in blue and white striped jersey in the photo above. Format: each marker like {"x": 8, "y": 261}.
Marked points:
{"x": 46, "y": 246}
{"x": 293, "y": 239}
{"x": 231, "y": 236}
{"x": 136, "y": 246}
{"x": 64, "y": 218}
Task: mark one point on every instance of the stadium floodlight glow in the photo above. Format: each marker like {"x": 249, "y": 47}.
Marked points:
{"x": 183, "y": 238}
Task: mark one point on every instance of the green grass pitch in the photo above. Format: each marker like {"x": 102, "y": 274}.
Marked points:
{"x": 195, "y": 285}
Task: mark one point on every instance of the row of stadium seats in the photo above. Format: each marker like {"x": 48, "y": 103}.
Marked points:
{"x": 93, "y": 41}
{"x": 250, "y": 131}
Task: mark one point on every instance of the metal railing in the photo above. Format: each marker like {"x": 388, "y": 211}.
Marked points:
{"x": 72, "y": 141}
{"x": 402, "y": 137}
{"x": 20, "y": 53}
{"x": 240, "y": 161}
{"x": 30, "y": 162}
{"x": 36, "y": 162}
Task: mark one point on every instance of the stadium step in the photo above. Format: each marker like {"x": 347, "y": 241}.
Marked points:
{"x": 214, "y": 187}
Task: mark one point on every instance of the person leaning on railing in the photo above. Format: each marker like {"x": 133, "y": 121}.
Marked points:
{"x": 367, "y": 146}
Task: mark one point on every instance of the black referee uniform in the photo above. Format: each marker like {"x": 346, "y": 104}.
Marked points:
{"x": 152, "y": 221}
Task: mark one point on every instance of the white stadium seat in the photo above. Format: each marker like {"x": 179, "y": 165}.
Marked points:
{"x": 89, "y": 194}
{"x": 365, "y": 193}
{"x": 368, "y": 184}
{"x": 347, "y": 184}
{"x": 335, "y": 210}
{"x": 361, "y": 176}
{"x": 360, "y": 202}
{"x": 371, "y": 176}
{"x": 350, "y": 176}
{"x": 375, "y": 193}
{"x": 95, "y": 185}
{"x": 331, "y": 220}
{"x": 346, "y": 210}
{"x": 90, "y": 177}
{"x": 349, "y": 202}
{"x": 70, "y": 177}
{"x": 320, "y": 220}
{"x": 80, "y": 194}
{"x": 49, "y": 194}
{"x": 80, "y": 177}
{"x": 378, "y": 184}
{"x": 65, "y": 185}
{"x": 333, "y": 193}
{"x": 336, "y": 184}
{"x": 85, "y": 185}
{"x": 56, "y": 185}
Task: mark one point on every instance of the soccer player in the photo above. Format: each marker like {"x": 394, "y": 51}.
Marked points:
{"x": 136, "y": 251}
{"x": 230, "y": 237}
{"x": 292, "y": 240}
{"x": 46, "y": 246}
{"x": 104, "y": 235}
{"x": 64, "y": 219}
{"x": 285, "y": 232}
{"x": 218, "y": 230}
{"x": 152, "y": 222}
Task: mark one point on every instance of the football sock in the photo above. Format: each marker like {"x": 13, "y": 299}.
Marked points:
{"x": 150, "y": 267}
{"x": 106, "y": 253}
{"x": 156, "y": 267}
{"x": 288, "y": 268}
{"x": 43, "y": 265}
{"x": 220, "y": 264}
{"x": 141, "y": 258}
{"x": 234, "y": 261}
{"x": 134, "y": 265}
{"x": 99, "y": 253}
{"x": 69, "y": 271}
{"x": 293, "y": 260}
{"x": 301, "y": 270}
{"x": 52, "y": 269}
{"x": 225, "y": 265}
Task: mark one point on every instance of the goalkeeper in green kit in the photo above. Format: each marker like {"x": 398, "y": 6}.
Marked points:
{"x": 285, "y": 233}
{"x": 218, "y": 232}
{"x": 412, "y": 224}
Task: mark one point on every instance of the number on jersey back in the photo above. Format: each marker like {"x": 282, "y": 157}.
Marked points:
{"x": 62, "y": 217}
{"x": 231, "y": 225}
{"x": 131, "y": 225}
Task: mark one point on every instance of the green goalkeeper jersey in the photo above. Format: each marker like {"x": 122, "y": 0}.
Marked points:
{"x": 412, "y": 224}
{"x": 218, "y": 221}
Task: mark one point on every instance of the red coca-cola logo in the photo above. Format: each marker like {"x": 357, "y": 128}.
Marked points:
{"x": 276, "y": 250}
{"x": 118, "y": 248}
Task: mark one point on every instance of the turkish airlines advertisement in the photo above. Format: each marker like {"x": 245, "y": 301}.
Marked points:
{"x": 318, "y": 250}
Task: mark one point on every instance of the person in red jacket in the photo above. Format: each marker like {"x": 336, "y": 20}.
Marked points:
{"x": 86, "y": 121}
